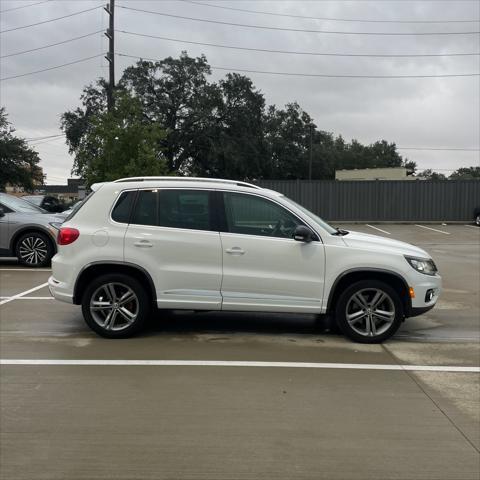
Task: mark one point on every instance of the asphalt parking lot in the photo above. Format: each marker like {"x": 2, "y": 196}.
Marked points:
{"x": 82, "y": 407}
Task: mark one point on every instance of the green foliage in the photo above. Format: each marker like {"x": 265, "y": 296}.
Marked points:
{"x": 18, "y": 162}
{"x": 429, "y": 174}
{"x": 466, "y": 173}
{"x": 110, "y": 145}
{"x": 222, "y": 129}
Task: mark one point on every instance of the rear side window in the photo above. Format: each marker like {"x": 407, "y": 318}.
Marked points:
{"x": 188, "y": 209}
{"x": 184, "y": 209}
{"x": 123, "y": 208}
{"x": 146, "y": 208}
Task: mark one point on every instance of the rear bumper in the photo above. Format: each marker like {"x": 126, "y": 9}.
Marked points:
{"x": 59, "y": 290}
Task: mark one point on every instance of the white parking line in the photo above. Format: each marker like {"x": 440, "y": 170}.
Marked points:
{"x": 228, "y": 363}
{"x": 25, "y": 270}
{"x": 22, "y": 294}
{"x": 433, "y": 229}
{"x": 379, "y": 229}
{"x": 473, "y": 226}
{"x": 29, "y": 298}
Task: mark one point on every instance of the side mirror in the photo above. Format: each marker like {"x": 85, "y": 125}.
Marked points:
{"x": 303, "y": 234}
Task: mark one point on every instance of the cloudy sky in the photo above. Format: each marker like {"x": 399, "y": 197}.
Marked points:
{"x": 431, "y": 112}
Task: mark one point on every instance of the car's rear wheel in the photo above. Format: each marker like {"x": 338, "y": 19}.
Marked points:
{"x": 115, "y": 306}
{"x": 34, "y": 249}
{"x": 477, "y": 220}
{"x": 369, "y": 311}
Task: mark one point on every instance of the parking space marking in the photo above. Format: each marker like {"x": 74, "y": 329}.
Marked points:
{"x": 433, "y": 229}
{"x": 379, "y": 229}
{"x": 472, "y": 226}
{"x": 233, "y": 363}
{"x": 25, "y": 270}
{"x": 22, "y": 294}
{"x": 28, "y": 298}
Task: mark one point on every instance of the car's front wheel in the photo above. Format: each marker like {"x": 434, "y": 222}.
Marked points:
{"x": 477, "y": 220}
{"x": 34, "y": 249}
{"x": 115, "y": 306}
{"x": 369, "y": 311}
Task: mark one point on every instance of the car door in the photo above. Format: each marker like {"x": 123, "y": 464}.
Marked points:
{"x": 4, "y": 230}
{"x": 172, "y": 236}
{"x": 264, "y": 268}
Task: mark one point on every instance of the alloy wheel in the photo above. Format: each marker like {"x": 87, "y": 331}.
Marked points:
{"x": 114, "y": 306}
{"x": 33, "y": 250}
{"x": 370, "y": 312}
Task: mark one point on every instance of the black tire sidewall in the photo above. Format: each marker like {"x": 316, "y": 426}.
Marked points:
{"x": 143, "y": 305}
{"x": 341, "y": 305}
{"x": 48, "y": 242}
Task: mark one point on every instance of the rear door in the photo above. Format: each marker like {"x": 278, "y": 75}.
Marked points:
{"x": 172, "y": 235}
{"x": 264, "y": 268}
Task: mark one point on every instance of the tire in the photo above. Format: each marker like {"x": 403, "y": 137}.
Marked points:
{"x": 34, "y": 249}
{"x": 107, "y": 314}
{"x": 477, "y": 220}
{"x": 355, "y": 311}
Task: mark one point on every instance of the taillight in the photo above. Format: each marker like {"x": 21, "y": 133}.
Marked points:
{"x": 67, "y": 235}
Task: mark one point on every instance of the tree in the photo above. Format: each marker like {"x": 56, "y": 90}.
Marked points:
{"x": 117, "y": 144}
{"x": 176, "y": 94}
{"x": 220, "y": 129}
{"x": 429, "y": 174}
{"x": 466, "y": 173}
{"x": 18, "y": 162}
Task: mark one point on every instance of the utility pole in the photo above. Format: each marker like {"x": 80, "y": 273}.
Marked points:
{"x": 110, "y": 34}
{"x": 311, "y": 153}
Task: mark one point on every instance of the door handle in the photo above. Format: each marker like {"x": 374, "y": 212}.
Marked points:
{"x": 143, "y": 244}
{"x": 235, "y": 251}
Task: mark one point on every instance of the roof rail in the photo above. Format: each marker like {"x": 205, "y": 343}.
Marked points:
{"x": 186, "y": 179}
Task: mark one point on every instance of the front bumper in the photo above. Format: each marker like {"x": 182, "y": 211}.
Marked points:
{"x": 427, "y": 291}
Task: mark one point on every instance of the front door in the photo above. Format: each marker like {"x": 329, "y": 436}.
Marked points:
{"x": 171, "y": 236}
{"x": 264, "y": 268}
{"x": 4, "y": 231}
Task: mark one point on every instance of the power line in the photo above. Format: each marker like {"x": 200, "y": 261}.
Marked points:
{"x": 326, "y": 18}
{"x": 290, "y": 52}
{"x": 317, "y": 75}
{"x": 51, "y": 20}
{"x": 265, "y": 27}
{"x": 34, "y": 139}
{"x": 51, "y": 68}
{"x": 24, "y": 6}
{"x": 446, "y": 149}
{"x": 51, "y": 44}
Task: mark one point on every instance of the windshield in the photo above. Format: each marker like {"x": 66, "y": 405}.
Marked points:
{"x": 311, "y": 215}
{"x": 19, "y": 205}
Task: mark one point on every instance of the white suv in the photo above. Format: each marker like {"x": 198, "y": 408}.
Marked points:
{"x": 211, "y": 244}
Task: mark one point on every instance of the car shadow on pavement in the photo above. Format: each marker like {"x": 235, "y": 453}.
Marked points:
{"x": 189, "y": 322}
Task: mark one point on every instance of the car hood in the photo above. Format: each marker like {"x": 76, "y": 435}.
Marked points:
{"x": 375, "y": 242}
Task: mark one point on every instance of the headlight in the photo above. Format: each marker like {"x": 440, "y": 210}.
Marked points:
{"x": 422, "y": 265}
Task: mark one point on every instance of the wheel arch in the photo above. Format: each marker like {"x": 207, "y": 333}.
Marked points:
{"x": 348, "y": 277}
{"x": 31, "y": 229}
{"x": 95, "y": 269}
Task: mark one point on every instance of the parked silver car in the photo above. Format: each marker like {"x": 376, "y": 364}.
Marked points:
{"x": 27, "y": 232}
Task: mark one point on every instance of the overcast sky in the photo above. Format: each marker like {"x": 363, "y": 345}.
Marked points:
{"x": 415, "y": 112}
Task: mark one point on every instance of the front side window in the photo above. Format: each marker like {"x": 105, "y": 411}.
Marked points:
{"x": 252, "y": 215}
{"x": 171, "y": 208}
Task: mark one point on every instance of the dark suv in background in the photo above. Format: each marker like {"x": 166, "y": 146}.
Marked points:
{"x": 47, "y": 202}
